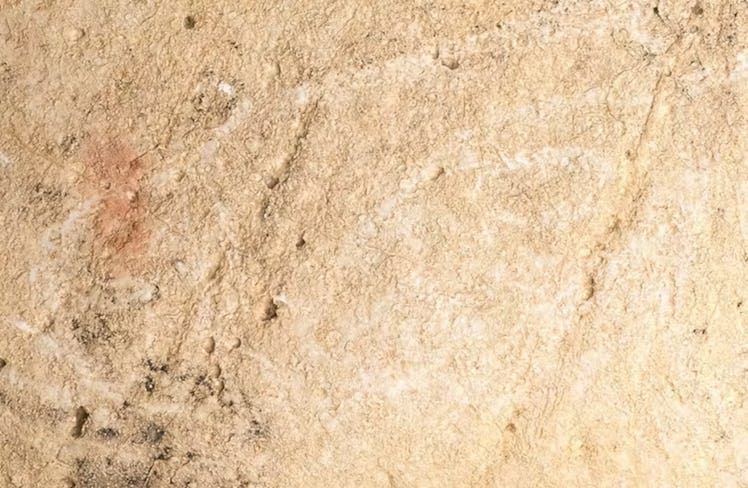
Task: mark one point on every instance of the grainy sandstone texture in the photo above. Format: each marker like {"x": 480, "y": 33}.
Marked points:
{"x": 339, "y": 243}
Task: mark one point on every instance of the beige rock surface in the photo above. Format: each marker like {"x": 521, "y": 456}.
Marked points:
{"x": 373, "y": 244}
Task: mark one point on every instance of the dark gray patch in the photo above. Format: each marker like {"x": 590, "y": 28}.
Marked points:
{"x": 156, "y": 367}
{"x": 107, "y": 434}
{"x": 110, "y": 473}
{"x": 69, "y": 144}
{"x": 153, "y": 433}
{"x": 164, "y": 454}
{"x": 92, "y": 330}
{"x": 45, "y": 203}
{"x": 202, "y": 388}
{"x": 257, "y": 431}
{"x": 6, "y": 74}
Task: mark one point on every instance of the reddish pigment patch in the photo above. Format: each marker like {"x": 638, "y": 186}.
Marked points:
{"x": 114, "y": 174}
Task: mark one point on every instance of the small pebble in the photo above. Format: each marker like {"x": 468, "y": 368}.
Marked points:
{"x": 73, "y": 34}
{"x": 81, "y": 417}
{"x": 272, "y": 69}
{"x": 432, "y": 173}
{"x": 270, "y": 310}
{"x": 210, "y": 345}
{"x": 435, "y": 52}
{"x": 235, "y": 342}
{"x": 270, "y": 181}
{"x": 450, "y": 62}
{"x": 214, "y": 370}
{"x": 588, "y": 288}
{"x": 189, "y": 22}
{"x": 180, "y": 267}
{"x": 271, "y": 73}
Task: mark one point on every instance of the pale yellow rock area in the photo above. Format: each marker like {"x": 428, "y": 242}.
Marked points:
{"x": 347, "y": 243}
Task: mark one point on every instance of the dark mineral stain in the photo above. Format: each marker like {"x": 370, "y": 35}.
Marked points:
{"x": 257, "y": 431}
{"x": 156, "y": 367}
{"x": 91, "y": 329}
{"x": 153, "y": 433}
{"x": 164, "y": 454}
{"x": 107, "y": 433}
{"x": 108, "y": 472}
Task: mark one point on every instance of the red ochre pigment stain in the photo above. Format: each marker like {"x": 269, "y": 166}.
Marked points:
{"x": 113, "y": 175}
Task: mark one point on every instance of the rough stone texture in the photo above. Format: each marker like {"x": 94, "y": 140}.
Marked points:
{"x": 373, "y": 244}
